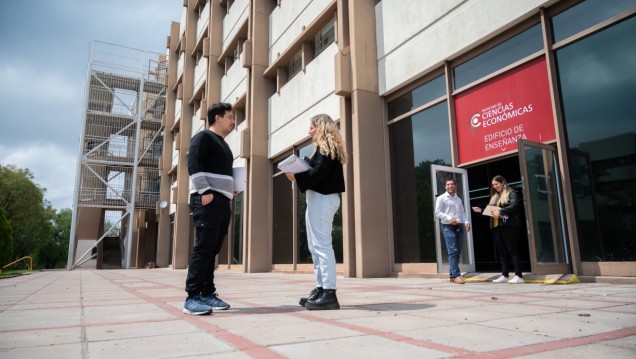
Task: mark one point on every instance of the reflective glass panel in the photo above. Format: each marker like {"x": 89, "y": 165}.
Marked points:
{"x": 500, "y": 56}
{"x": 597, "y": 80}
{"x": 587, "y": 14}
{"x": 237, "y": 229}
{"x": 417, "y": 143}
{"x": 424, "y": 94}
{"x": 282, "y": 226}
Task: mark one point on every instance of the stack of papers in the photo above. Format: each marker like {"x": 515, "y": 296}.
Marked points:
{"x": 488, "y": 210}
{"x": 294, "y": 164}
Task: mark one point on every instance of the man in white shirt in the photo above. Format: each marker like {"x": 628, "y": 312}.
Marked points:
{"x": 450, "y": 211}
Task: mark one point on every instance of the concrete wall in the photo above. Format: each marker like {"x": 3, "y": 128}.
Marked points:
{"x": 428, "y": 33}
{"x": 288, "y": 20}
{"x": 291, "y": 108}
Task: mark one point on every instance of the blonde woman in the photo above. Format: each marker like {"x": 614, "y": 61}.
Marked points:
{"x": 322, "y": 185}
{"x": 506, "y": 225}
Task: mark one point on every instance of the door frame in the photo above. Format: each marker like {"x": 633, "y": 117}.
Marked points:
{"x": 467, "y": 258}
{"x": 557, "y": 214}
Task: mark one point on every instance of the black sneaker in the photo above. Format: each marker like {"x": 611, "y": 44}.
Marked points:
{"x": 326, "y": 300}
{"x": 314, "y": 294}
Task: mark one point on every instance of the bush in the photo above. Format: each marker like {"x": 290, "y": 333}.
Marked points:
{"x": 6, "y": 240}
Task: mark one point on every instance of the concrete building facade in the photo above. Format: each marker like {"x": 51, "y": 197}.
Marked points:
{"x": 421, "y": 91}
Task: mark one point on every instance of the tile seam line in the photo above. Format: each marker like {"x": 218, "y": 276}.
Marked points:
{"x": 32, "y": 277}
{"x": 391, "y": 336}
{"x": 386, "y": 335}
{"x": 241, "y": 344}
{"x": 557, "y": 344}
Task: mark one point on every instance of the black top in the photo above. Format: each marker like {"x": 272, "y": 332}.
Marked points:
{"x": 210, "y": 162}
{"x": 509, "y": 213}
{"x": 325, "y": 176}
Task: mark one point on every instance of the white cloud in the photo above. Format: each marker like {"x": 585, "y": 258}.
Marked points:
{"x": 22, "y": 80}
{"x": 52, "y": 166}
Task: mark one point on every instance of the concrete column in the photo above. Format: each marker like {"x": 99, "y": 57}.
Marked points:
{"x": 181, "y": 245}
{"x": 163, "y": 236}
{"x": 257, "y": 237}
{"x": 369, "y": 147}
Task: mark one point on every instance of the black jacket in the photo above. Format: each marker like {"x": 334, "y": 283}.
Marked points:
{"x": 511, "y": 211}
{"x": 325, "y": 176}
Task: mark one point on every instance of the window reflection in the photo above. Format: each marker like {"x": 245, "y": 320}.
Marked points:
{"x": 237, "y": 229}
{"x": 422, "y": 95}
{"x": 597, "y": 80}
{"x": 586, "y": 14}
{"x": 282, "y": 215}
{"x": 500, "y": 56}
{"x": 304, "y": 256}
{"x": 416, "y": 143}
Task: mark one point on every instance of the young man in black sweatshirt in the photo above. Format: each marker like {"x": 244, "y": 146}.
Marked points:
{"x": 212, "y": 186}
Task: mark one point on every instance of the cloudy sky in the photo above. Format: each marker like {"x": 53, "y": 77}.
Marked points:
{"x": 43, "y": 63}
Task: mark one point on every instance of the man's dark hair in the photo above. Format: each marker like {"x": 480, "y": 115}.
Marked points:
{"x": 450, "y": 179}
{"x": 220, "y": 109}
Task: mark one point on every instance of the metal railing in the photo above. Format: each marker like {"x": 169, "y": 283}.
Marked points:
{"x": 21, "y": 259}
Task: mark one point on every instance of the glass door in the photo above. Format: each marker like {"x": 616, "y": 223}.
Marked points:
{"x": 544, "y": 208}
{"x": 439, "y": 176}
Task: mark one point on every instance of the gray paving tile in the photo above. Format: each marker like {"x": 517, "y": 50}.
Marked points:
{"x": 584, "y": 351}
{"x": 161, "y": 346}
{"x": 137, "y": 314}
{"x": 40, "y": 337}
{"x": 59, "y": 351}
{"x": 366, "y": 346}
{"x": 477, "y": 338}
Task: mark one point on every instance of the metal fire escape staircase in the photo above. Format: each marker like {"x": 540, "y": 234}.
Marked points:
{"x": 121, "y": 142}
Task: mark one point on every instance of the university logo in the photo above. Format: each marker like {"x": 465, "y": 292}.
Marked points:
{"x": 475, "y": 121}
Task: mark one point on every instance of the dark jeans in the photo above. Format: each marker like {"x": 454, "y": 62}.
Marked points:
{"x": 507, "y": 242}
{"x": 211, "y": 224}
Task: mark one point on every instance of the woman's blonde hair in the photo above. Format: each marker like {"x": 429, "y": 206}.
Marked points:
{"x": 505, "y": 192}
{"x": 327, "y": 138}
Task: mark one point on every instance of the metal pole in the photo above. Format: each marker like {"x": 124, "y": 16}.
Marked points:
{"x": 133, "y": 188}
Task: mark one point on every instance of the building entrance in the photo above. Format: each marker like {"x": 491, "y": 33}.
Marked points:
{"x": 479, "y": 178}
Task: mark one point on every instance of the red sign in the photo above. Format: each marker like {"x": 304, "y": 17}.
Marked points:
{"x": 494, "y": 115}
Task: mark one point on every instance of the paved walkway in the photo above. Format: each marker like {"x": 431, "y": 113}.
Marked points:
{"x": 137, "y": 314}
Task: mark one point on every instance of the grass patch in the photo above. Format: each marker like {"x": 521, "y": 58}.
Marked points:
{"x": 8, "y": 273}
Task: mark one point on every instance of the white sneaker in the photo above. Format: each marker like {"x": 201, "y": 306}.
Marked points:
{"x": 501, "y": 279}
{"x": 516, "y": 280}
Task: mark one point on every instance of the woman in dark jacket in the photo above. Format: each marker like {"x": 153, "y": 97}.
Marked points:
{"x": 506, "y": 225}
{"x": 322, "y": 185}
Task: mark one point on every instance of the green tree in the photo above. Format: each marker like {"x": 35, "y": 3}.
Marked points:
{"x": 62, "y": 225}
{"x": 52, "y": 252}
{"x": 26, "y": 209}
{"x": 6, "y": 240}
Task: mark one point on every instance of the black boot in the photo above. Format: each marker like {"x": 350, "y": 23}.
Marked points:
{"x": 326, "y": 300}
{"x": 313, "y": 295}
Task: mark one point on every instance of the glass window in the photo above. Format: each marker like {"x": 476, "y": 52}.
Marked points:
{"x": 424, "y": 94}
{"x": 295, "y": 65}
{"x": 587, "y": 14}
{"x": 500, "y": 56}
{"x": 303, "y": 251}
{"x": 239, "y": 115}
{"x": 237, "y": 229}
{"x": 282, "y": 216}
{"x": 324, "y": 38}
{"x": 597, "y": 82}
{"x": 417, "y": 143}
